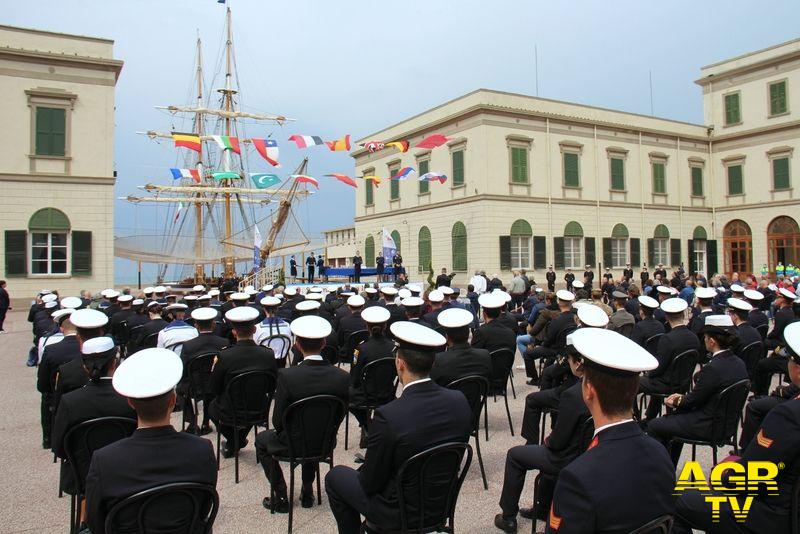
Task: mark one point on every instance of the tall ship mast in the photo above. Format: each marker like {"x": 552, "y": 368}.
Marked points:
{"x": 215, "y": 209}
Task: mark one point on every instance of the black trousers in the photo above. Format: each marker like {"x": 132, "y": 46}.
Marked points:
{"x": 347, "y": 498}
{"x": 653, "y": 385}
{"x": 553, "y": 375}
{"x": 692, "y": 511}
{"x": 357, "y": 275}
{"x": 765, "y": 368}
{"x": 754, "y": 414}
{"x": 268, "y": 444}
{"x": 46, "y": 417}
{"x": 520, "y": 460}
{"x": 191, "y": 417}
{"x": 665, "y": 428}
{"x": 310, "y": 275}
{"x": 3, "y": 312}
{"x": 534, "y": 354}
{"x": 535, "y": 403}
{"x": 227, "y": 431}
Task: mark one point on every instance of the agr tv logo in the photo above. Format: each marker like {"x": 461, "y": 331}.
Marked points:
{"x": 730, "y": 482}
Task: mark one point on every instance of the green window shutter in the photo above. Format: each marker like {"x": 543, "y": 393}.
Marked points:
{"x": 424, "y": 166}
{"x": 636, "y": 252}
{"x": 519, "y": 165}
{"x": 394, "y": 185}
{"x": 780, "y": 173}
{"x": 50, "y": 131}
{"x": 732, "y": 109}
{"x": 539, "y": 252}
{"x": 607, "y": 262}
{"x": 505, "y": 253}
{"x": 777, "y": 98}
{"x": 618, "y": 174}
{"x": 711, "y": 256}
{"x": 368, "y": 185}
{"x": 735, "y": 180}
{"x": 572, "y": 177}
{"x": 81, "y": 253}
{"x": 590, "y": 251}
{"x": 459, "y": 246}
{"x": 558, "y": 252}
{"x": 424, "y": 248}
{"x": 659, "y": 178}
{"x": 458, "y": 167}
{"x": 16, "y": 250}
{"x": 369, "y": 251}
{"x": 692, "y": 259}
{"x": 675, "y": 252}
{"x": 651, "y": 252}
{"x": 697, "y": 181}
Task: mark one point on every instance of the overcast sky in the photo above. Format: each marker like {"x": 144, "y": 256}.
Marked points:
{"x": 357, "y": 66}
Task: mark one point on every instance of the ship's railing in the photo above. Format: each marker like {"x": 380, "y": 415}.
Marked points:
{"x": 269, "y": 274}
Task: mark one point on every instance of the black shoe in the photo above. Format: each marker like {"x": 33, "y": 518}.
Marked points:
{"x": 46, "y": 444}
{"x": 527, "y": 513}
{"x": 359, "y": 458}
{"x": 191, "y": 429}
{"x": 227, "y": 448}
{"x": 205, "y": 429}
{"x": 281, "y": 504}
{"x": 533, "y": 382}
{"x": 505, "y": 524}
{"x": 362, "y": 443}
{"x": 307, "y": 497}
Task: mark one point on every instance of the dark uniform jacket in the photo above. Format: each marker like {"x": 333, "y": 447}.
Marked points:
{"x": 151, "y": 457}
{"x": 493, "y": 336}
{"x": 556, "y": 335}
{"x": 564, "y": 442}
{"x": 459, "y": 361}
{"x": 71, "y": 376}
{"x": 115, "y": 328}
{"x": 205, "y": 342}
{"x": 783, "y": 318}
{"x": 396, "y": 313}
{"x": 96, "y": 399}
{"x": 645, "y": 329}
{"x": 369, "y": 351}
{"x": 151, "y": 327}
{"x": 747, "y": 335}
{"x": 698, "y": 322}
{"x": 432, "y": 317}
{"x": 425, "y": 415}
{"x": 240, "y": 358}
{"x": 758, "y": 318}
{"x": 508, "y": 320}
{"x": 53, "y": 357}
{"x": 624, "y": 480}
{"x": 349, "y": 324}
{"x": 671, "y": 344}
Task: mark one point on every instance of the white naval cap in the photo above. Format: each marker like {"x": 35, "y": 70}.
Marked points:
{"x": 250, "y": 292}
{"x": 491, "y": 300}
{"x": 290, "y": 291}
{"x": 403, "y": 293}
{"x": 71, "y": 302}
{"x": 455, "y": 318}
{"x": 705, "y": 293}
{"x": 610, "y": 351}
{"x": 314, "y": 296}
{"x": 619, "y": 294}
{"x": 376, "y": 315}
{"x": 97, "y": 344}
{"x": 153, "y": 303}
{"x": 125, "y": 298}
{"x": 577, "y": 284}
{"x": 592, "y": 315}
{"x": 204, "y": 314}
{"x": 241, "y": 314}
{"x": 199, "y": 287}
{"x": 674, "y": 305}
{"x": 773, "y": 287}
{"x": 137, "y": 302}
{"x": 177, "y": 307}
{"x": 87, "y": 318}
{"x": 50, "y": 297}
{"x": 739, "y": 304}
{"x": 355, "y": 301}
{"x": 203, "y": 297}
{"x": 410, "y": 302}
{"x": 446, "y": 290}
{"x": 390, "y": 291}
{"x": 148, "y": 373}
{"x": 436, "y": 296}
{"x": 239, "y": 296}
{"x": 664, "y": 290}
{"x": 648, "y": 302}
{"x": 307, "y": 305}
{"x": 752, "y": 294}
{"x": 791, "y": 335}
{"x": 213, "y": 293}
{"x": 50, "y": 305}
{"x": 148, "y": 290}
{"x": 787, "y": 293}
{"x": 45, "y": 291}
{"x": 61, "y": 314}
{"x": 190, "y": 298}
{"x": 370, "y": 290}
{"x": 413, "y": 335}
{"x": 721, "y": 289}
{"x": 415, "y": 288}
{"x": 311, "y": 327}
{"x": 736, "y": 288}
{"x": 159, "y": 289}
{"x": 506, "y": 297}
{"x": 719, "y": 323}
{"x": 563, "y": 294}
{"x": 249, "y": 288}
{"x": 109, "y": 293}
{"x": 270, "y": 301}
{"x": 267, "y": 287}
{"x": 315, "y": 289}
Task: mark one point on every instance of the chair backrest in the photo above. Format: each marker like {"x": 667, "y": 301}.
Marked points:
{"x": 587, "y": 433}
{"x": 82, "y": 439}
{"x": 280, "y": 345}
{"x": 651, "y": 343}
{"x": 751, "y": 354}
{"x": 177, "y": 348}
{"x": 311, "y": 425}
{"x": 502, "y": 362}
{"x": 378, "y": 381}
{"x": 626, "y": 329}
{"x": 475, "y": 388}
{"x": 198, "y": 371}
{"x": 133, "y": 334}
{"x": 680, "y": 370}
{"x": 659, "y": 525}
{"x": 249, "y": 396}
{"x": 355, "y": 339}
{"x": 763, "y": 329}
{"x": 561, "y": 340}
{"x": 330, "y": 354}
{"x": 428, "y": 484}
{"x": 183, "y": 507}
{"x": 123, "y": 333}
{"x": 728, "y": 410}
{"x": 149, "y": 341}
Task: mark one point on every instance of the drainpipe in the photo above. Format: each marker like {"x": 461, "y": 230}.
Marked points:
{"x": 597, "y": 204}
{"x": 680, "y": 198}
{"x": 549, "y": 193}
{"x": 642, "y": 240}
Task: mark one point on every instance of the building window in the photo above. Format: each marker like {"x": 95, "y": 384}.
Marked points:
{"x": 521, "y": 237}
{"x": 659, "y": 178}
{"x": 777, "y": 98}
{"x": 394, "y": 185}
{"x": 369, "y": 251}
{"x": 459, "y": 243}
{"x": 660, "y": 242}
{"x": 458, "y": 167}
{"x": 424, "y": 185}
{"x": 519, "y": 165}
{"x": 735, "y": 180}
{"x": 48, "y": 253}
{"x": 783, "y": 238}
{"x": 50, "y": 131}
{"x": 424, "y": 249}
{"x": 698, "y": 251}
{"x": 737, "y": 240}
{"x": 369, "y": 199}
{"x": 618, "y": 174}
{"x": 697, "y": 181}
{"x": 573, "y": 244}
{"x": 780, "y": 174}
{"x": 733, "y": 112}
{"x": 619, "y": 246}
{"x": 572, "y": 171}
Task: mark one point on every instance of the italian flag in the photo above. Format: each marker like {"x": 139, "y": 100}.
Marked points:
{"x": 227, "y": 143}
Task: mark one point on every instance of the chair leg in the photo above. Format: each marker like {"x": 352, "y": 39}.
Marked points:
{"x": 480, "y": 458}
{"x": 72, "y": 514}
{"x": 346, "y": 428}
{"x": 236, "y": 454}
{"x": 511, "y": 379}
{"x": 694, "y": 450}
{"x": 218, "y": 440}
{"x": 535, "y": 498}
{"x": 319, "y": 487}
{"x": 714, "y": 453}
{"x": 508, "y": 413}
{"x": 78, "y": 501}
{"x": 271, "y": 494}
{"x": 255, "y": 437}
{"x": 291, "y": 495}
{"x": 486, "y": 418}
{"x": 541, "y": 428}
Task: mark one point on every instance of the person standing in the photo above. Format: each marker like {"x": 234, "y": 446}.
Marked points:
{"x": 397, "y": 263}
{"x": 357, "y": 261}
{"x": 551, "y": 279}
{"x": 380, "y": 267}
{"x": 644, "y": 276}
{"x": 588, "y": 277}
{"x": 293, "y": 269}
{"x": 569, "y": 277}
{"x": 311, "y": 262}
{"x": 627, "y": 272}
{"x": 321, "y": 271}
{"x": 5, "y": 304}
{"x": 443, "y": 279}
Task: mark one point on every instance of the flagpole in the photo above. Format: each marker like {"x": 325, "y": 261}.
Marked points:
{"x": 199, "y": 268}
